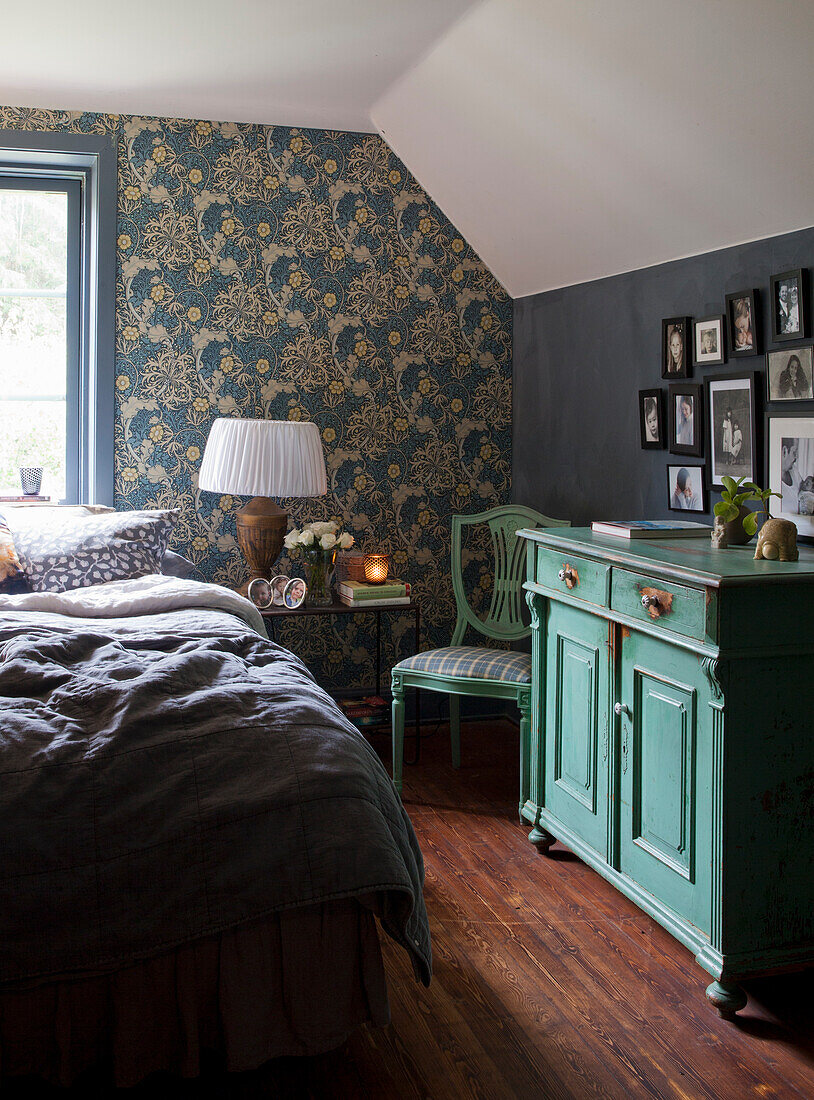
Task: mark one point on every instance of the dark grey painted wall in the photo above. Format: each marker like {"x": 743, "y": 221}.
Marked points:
{"x": 582, "y": 354}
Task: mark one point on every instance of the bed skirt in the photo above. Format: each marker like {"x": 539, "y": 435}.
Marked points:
{"x": 295, "y": 983}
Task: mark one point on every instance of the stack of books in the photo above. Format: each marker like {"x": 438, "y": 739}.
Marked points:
{"x": 361, "y": 594}
{"x": 370, "y": 711}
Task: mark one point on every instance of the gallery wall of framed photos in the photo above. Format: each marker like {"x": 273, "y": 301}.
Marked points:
{"x": 703, "y": 365}
{"x": 717, "y": 417}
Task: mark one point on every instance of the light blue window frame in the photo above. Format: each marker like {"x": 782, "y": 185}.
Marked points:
{"x": 89, "y": 159}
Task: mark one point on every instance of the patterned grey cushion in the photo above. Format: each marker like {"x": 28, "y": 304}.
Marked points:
{"x": 76, "y": 552}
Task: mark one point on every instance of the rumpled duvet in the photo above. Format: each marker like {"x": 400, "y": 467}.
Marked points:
{"x": 166, "y": 772}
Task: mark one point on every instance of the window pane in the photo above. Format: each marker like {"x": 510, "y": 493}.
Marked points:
{"x": 33, "y": 240}
{"x": 32, "y": 347}
{"x": 33, "y": 434}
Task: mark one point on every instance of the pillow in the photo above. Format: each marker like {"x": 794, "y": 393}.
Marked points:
{"x": 12, "y": 578}
{"x": 74, "y": 553}
{"x": 176, "y": 565}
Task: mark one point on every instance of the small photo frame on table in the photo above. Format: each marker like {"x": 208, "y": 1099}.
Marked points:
{"x": 790, "y": 467}
{"x": 788, "y": 292}
{"x": 708, "y": 341}
{"x": 259, "y": 592}
{"x": 790, "y": 375}
{"x": 294, "y": 593}
{"x": 278, "y": 584}
{"x": 675, "y": 347}
{"x": 651, "y": 419}
{"x": 685, "y": 488}
{"x": 742, "y": 323}
{"x": 686, "y": 419}
{"x": 732, "y": 426}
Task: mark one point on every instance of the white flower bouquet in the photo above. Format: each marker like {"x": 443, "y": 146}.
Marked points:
{"x": 318, "y": 543}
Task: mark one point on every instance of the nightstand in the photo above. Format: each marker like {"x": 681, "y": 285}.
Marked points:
{"x": 271, "y": 614}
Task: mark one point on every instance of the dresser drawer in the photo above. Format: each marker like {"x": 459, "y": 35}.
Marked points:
{"x": 653, "y": 600}
{"x": 585, "y": 579}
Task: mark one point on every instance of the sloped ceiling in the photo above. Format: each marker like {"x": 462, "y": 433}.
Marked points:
{"x": 567, "y": 139}
{"x": 573, "y": 139}
{"x": 318, "y": 63}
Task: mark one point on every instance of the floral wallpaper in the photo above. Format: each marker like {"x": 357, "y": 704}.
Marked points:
{"x": 268, "y": 271}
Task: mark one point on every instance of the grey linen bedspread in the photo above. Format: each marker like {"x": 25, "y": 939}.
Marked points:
{"x": 166, "y": 776}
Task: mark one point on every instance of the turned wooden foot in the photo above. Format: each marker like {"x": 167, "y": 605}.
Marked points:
{"x": 726, "y": 997}
{"x": 541, "y": 840}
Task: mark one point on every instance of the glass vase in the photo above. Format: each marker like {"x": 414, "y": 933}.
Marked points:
{"x": 319, "y": 573}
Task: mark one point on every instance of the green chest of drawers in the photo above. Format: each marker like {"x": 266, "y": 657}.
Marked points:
{"x": 672, "y": 738}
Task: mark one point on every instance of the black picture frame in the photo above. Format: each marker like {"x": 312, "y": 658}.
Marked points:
{"x": 656, "y": 395}
{"x": 668, "y": 326}
{"x": 715, "y": 384}
{"x": 695, "y": 391}
{"x": 783, "y": 390}
{"x": 737, "y": 349}
{"x": 781, "y": 332}
{"x": 698, "y": 481}
{"x": 717, "y": 322}
{"x": 801, "y": 423}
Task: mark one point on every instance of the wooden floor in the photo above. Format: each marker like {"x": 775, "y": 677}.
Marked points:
{"x": 548, "y": 983}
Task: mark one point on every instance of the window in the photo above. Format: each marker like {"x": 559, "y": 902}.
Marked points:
{"x": 40, "y": 231}
{"x": 57, "y": 311}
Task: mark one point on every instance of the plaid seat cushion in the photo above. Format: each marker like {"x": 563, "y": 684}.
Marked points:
{"x": 472, "y": 662}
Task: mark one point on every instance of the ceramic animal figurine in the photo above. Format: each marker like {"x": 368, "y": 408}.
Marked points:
{"x": 719, "y": 537}
{"x": 777, "y": 541}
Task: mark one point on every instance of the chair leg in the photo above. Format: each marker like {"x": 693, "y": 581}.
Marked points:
{"x": 397, "y": 721}
{"x": 455, "y": 730}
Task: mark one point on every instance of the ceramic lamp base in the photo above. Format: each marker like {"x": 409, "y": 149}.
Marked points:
{"x": 261, "y": 528}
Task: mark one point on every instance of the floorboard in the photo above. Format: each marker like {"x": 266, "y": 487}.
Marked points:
{"x": 548, "y": 984}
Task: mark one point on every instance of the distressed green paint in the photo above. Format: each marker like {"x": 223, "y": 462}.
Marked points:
{"x": 585, "y": 579}
{"x": 577, "y": 715}
{"x": 705, "y": 798}
{"x": 664, "y": 825}
{"x": 687, "y": 611}
{"x": 503, "y": 621}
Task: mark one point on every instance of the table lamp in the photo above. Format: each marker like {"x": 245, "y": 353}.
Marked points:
{"x": 263, "y": 459}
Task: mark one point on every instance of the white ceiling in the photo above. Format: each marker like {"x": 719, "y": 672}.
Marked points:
{"x": 566, "y": 139}
{"x": 318, "y": 63}
{"x": 573, "y": 140}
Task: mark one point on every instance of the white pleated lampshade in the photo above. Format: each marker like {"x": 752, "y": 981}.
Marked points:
{"x": 264, "y": 458}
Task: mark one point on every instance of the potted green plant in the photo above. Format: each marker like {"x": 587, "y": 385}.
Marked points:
{"x": 741, "y": 522}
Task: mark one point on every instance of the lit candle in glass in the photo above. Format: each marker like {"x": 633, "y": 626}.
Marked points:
{"x": 376, "y": 567}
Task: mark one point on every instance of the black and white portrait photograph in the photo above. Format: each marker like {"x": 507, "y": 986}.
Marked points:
{"x": 675, "y": 333}
{"x": 732, "y": 437}
{"x": 789, "y": 375}
{"x": 788, "y": 294}
{"x": 790, "y": 440}
{"x": 709, "y": 341}
{"x": 685, "y": 488}
{"x": 686, "y": 429}
{"x": 651, "y": 419}
{"x": 741, "y": 320}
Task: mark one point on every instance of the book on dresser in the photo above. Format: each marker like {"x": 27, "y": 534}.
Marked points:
{"x": 361, "y": 594}
{"x": 651, "y": 528}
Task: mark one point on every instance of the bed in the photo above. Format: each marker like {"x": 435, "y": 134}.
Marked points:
{"x": 195, "y": 844}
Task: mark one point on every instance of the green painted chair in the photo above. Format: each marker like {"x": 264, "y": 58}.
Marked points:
{"x": 477, "y": 670}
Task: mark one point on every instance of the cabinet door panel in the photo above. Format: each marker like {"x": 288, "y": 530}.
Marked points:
{"x": 664, "y": 781}
{"x": 577, "y": 723}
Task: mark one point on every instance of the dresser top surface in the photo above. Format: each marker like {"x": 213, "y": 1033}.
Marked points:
{"x": 689, "y": 557}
